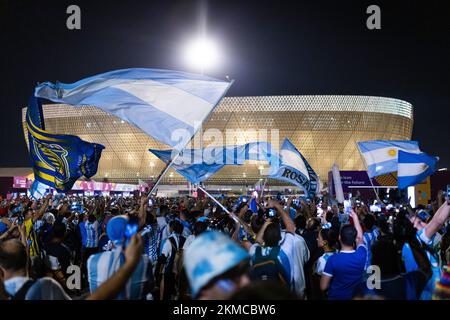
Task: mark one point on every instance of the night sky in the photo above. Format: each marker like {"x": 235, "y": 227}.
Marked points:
{"x": 269, "y": 47}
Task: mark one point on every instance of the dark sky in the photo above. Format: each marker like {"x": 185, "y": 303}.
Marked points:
{"x": 271, "y": 48}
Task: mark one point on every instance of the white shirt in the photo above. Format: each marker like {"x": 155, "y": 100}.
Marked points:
{"x": 188, "y": 241}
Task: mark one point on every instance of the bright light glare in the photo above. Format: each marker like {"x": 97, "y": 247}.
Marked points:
{"x": 202, "y": 54}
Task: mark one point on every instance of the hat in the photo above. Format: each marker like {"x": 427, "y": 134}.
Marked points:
{"x": 211, "y": 254}
{"x": 115, "y": 229}
{"x": 442, "y": 289}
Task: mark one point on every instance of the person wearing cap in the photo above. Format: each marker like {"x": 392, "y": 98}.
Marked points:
{"x": 102, "y": 266}
{"x": 217, "y": 266}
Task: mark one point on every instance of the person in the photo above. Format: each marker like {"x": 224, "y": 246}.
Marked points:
{"x": 101, "y": 266}
{"x": 327, "y": 241}
{"x": 57, "y": 254}
{"x": 295, "y": 248}
{"x": 310, "y": 235}
{"x": 45, "y": 230}
{"x": 393, "y": 284}
{"x": 343, "y": 216}
{"x": 425, "y": 234}
{"x": 269, "y": 262}
{"x": 15, "y": 284}
{"x": 30, "y": 217}
{"x": 442, "y": 288}
{"x": 344, "y": 270}
{"x": 198, "y": 228}
{"x": 370, "y": 235}
{"x": 18, "y": 284}
{"x": 90, "y": 229}
{"x": 167, "y": 267}
{"x": 217, "y": 266}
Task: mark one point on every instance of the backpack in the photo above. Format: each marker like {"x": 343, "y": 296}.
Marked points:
{"x": 176, "y": 260}
{"x": 22, "y": 292}
{"x": 268, "y": 267}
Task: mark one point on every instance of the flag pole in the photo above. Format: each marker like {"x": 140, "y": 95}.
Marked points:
{"x": 169, "y": 164}
{"x": 367, "y": 170}
{"x": 232, "y": 215}
{"x": 262, "y": 189}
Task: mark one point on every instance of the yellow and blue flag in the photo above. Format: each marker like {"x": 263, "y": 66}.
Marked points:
{"x": 58, "y": 160}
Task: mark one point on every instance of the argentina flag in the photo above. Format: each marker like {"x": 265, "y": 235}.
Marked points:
{"x": 381, "y": 156}
{"x": 413, "y": 168}
{"x": 169, "y": 106}
{"x": 294, "y": 168}
{"x": 38, "y": 190}
{"x": 57, "y": 160}
{"x": 197, "y": 165}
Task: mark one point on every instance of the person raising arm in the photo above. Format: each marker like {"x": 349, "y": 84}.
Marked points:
{"x": 288, "y": 223}
{"x": 438, "y": 220}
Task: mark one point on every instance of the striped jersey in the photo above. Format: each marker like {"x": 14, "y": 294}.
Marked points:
{"x": 321, "y": 262}
{"x": 31, "y": 237}
{"x": 102, "y": 266}
{"x": 150, "y": 235}
{"x": 92, "y": 234}
{"x": 369, "y": 239}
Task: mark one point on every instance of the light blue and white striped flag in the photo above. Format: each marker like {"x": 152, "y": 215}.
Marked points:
{"x": 381, "y": 156}
{"x": 169, "y": 106}
{"x": 197, "y": 165}
{"x": 413, "y": 168}
{"x": 294, "y": 169}
{"x": 38, "y": 190}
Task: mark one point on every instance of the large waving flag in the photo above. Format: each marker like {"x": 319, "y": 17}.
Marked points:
{"x": 169, "y": 106}
{"x": 381, "y": 156}
{"x": 413, "y": 168}
{"x": 294, "y": 169}
{"x": 58, "y": 160}
{"x": 197, "y": 165}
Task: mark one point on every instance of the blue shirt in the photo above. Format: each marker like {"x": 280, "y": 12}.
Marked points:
{"x": 3, "y": 227}
{"x": 346, "y": 269}
{"x": 83, "y": 233}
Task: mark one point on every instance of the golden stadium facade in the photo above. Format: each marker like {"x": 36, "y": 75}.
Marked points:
{"x": 324, "y": 128}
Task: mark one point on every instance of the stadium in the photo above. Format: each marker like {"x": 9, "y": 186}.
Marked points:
{"x": 324, "y": 128}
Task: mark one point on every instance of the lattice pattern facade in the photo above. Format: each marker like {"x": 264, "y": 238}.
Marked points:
{"x": 324, "y": 128}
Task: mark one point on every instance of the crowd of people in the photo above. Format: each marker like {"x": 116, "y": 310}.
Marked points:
{"x": 185, "y": 248}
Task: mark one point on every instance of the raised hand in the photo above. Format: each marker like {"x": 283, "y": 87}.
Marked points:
{"x": 134, "y": 250}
